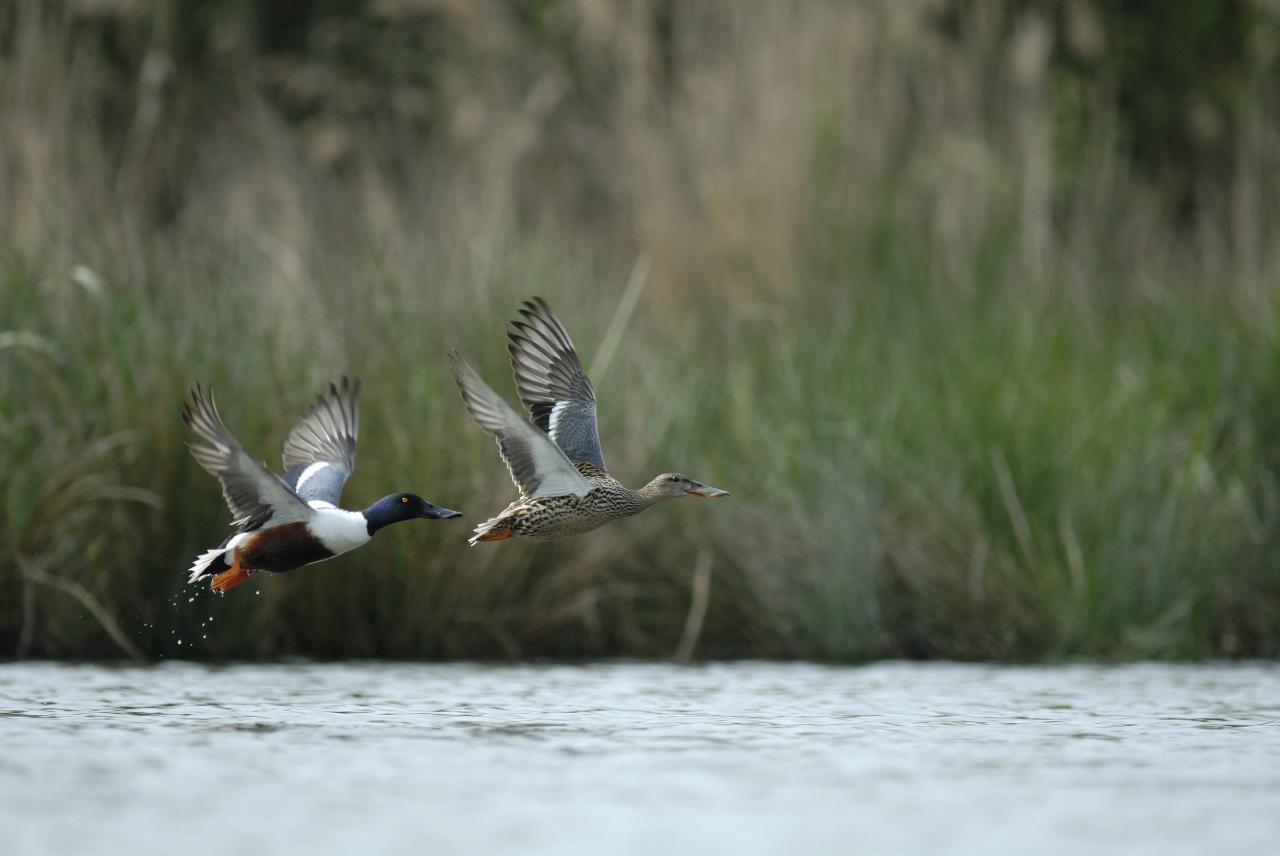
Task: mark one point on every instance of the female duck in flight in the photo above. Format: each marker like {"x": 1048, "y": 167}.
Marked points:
{"x": 556, "y": 461}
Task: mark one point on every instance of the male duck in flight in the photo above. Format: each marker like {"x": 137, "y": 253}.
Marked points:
{"x": 285, "y": 523}
{"x": 556, "y": 461}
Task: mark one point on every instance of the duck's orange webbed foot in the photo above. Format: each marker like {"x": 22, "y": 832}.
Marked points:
{"x": 231, "y": 578}
{"x": 496, "y": 534}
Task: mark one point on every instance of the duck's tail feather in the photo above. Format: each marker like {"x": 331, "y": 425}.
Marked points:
{"x": 493, "y": 529}
{"x": 209, "y": 562}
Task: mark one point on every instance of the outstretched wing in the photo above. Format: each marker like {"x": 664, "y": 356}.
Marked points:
{"x": 537, "y": 465}
{"x": 320, "y": 452}
{"x": 254, "y": 494}
{"x": 552, "y": 383}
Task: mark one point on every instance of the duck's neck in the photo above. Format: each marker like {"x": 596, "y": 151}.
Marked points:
{"x": 648, "y": 495}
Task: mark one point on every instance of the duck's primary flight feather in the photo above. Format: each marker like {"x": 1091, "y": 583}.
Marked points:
{"x": 553, "y": 384}
{"x": 537, "y": 465}
{"x": 320, "y": 452}
{"x": 254, "y": 494}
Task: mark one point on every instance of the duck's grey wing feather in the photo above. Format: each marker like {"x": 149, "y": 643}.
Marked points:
{"x": 254, "y": 494}
{"x": 553, "y": 384}
{"x": 538, "y": 466}
{"x": 320, "y": 451}
{"x": 317, "y": 484}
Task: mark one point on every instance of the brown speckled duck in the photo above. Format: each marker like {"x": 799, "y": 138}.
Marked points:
{"x": 555, "y": 459}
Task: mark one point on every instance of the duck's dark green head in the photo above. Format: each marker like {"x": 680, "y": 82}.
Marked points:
{"x": 397, "y": 507}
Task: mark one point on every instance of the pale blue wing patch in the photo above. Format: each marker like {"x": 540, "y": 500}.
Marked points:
{"x": 318, "y": 482}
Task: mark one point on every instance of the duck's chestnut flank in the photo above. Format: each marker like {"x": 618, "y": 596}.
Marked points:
{"x": 283, "y": 548}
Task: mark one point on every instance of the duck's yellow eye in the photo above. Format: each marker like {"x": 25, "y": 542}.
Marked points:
{"x": 404, "y": 499}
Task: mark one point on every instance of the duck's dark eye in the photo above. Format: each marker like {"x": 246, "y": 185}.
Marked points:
{"x": 404, "y": 499}
{"x": 675, "y": 478}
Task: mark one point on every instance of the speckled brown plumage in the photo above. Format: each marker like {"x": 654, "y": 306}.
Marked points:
{"x": 555, "y": 460}
{"x": 548, "y": 517}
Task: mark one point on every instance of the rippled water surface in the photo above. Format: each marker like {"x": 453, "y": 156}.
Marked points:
{"x": 634, "y": 758}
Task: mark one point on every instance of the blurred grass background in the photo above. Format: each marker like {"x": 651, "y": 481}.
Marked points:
{"x": 973, "y": 306}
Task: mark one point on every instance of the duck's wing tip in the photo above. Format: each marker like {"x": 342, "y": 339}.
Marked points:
{"x": 553, "y": 384}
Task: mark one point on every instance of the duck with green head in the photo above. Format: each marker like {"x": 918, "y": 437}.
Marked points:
{"x": 284, "y": 522}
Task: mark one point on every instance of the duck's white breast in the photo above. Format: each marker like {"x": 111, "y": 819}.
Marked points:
{"x": 338, "y": 529}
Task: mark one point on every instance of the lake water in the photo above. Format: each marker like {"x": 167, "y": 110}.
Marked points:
{"x": 638, "y": 758}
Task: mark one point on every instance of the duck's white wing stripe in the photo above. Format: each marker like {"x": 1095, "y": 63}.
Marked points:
{"x": 554, "y": 419}
{"x": 321, "y": 481}
{"x": 309, "y": 472}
